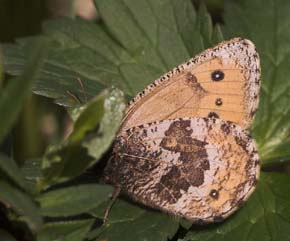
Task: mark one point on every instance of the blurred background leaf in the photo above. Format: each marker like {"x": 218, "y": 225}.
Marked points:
{"x": 18, "y": 89}
{"x": 5, "y": 236}
{"x": 12, "y": 98}
{"x": 18, "y": 19}
{"x": 10, "y": 170}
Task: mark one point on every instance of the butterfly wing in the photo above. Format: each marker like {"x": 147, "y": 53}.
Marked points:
{"x": 222, "y": 81}
{"x": 197, "y": 168}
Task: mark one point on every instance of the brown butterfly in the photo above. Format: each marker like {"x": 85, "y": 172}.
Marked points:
{"x": 183, "y": 147}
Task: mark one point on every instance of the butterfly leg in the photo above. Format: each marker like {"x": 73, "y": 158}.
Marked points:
{"x": 111, "y": 203}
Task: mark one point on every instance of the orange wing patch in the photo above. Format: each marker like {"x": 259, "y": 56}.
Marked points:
{"x": 222, "y": 82}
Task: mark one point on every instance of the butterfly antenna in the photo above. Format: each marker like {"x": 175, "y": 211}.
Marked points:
{"x": 81, "y": 83}
{"x": 74, "y": 96}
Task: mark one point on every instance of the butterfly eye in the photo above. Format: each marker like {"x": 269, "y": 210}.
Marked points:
{"x": 217, "y": 75}
{"x": 214, "y": 194}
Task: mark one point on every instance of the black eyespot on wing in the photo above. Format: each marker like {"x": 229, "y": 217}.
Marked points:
{"x": 213, "y": 115}
{"x": 218, "y": 102}
{"x": 214, "y": 194}
{"x": 217, "y": 75}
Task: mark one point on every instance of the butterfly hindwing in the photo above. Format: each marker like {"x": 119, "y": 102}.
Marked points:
{"x": 197, "y": 168}
{"x": 222, "y": 82}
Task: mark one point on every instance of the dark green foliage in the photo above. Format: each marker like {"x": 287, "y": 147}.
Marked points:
{"x": 134, "y": 223}
{"x": 70, "y": 201}
{"x": 65, "y": 231}
{"x": 18, "y": 89}
{"x": 269, "y": 31}
{"x": 93, "y": 65}
{"x": 14, "y": 194}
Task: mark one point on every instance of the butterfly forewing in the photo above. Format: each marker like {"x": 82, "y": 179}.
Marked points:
{"x": 197, "y": 168}
{"x": 221, "y": 82}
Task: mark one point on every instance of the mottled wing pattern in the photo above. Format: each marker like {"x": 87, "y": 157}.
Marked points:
{"x": 221, "y": 82}
{"x": 196, "y": 168}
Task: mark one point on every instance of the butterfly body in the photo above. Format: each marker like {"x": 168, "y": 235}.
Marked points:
{"x": 183, "y": 146}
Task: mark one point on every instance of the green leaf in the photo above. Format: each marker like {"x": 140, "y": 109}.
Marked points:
{"x": 74, "y": 200}
{"x": 18, "y": 89}
{"x": 265, "y": 217}
{"x": 22, "y": 204}
{"x": 149, "y": 38}
{"x": 31, "y": 170}
{"x": 11, "y": 170}
{"x": 94, "y": 131}
{"x": 114, "y": 108}
{"x": 131, "y": 222}
{"x": 217, "y": 34}
{"x": 148, "y": 34}
{"x": 65, "y": 231}
{"x": 269, "y": 32}
{"x": 82, "y": 61}
{"x": 89, "y": 116}
{"x": 205, "y": 24}
{"x": 62, "y": 163}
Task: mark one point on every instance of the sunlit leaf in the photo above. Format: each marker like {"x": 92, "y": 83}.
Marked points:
{"x": 114, "y": 108}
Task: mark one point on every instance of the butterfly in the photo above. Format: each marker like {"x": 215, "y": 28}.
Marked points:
{"x": 183, "y": 146}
